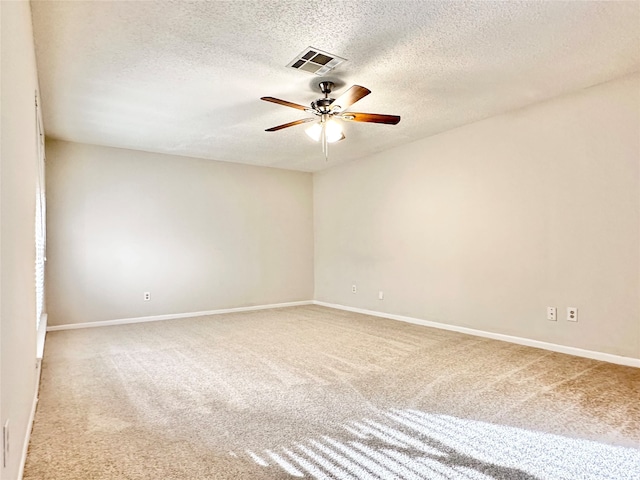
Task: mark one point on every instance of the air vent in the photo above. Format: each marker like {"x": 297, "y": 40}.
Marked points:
{"x": 316, "y": 61}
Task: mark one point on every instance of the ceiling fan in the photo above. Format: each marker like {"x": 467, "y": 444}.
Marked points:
{"x": 327, "y": 111}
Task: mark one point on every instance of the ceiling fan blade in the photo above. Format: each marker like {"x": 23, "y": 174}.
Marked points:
{"x": 285, "y": 103}
{"x": 371, "y": 118}
{"x": 290, "y": 124}
{"x": 350, "y": 97}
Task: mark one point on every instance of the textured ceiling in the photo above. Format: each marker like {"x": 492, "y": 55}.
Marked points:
{"x": 186, "y": 78}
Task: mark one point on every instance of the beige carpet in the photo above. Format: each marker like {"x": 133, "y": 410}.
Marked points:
{"x": 320, "y": 393}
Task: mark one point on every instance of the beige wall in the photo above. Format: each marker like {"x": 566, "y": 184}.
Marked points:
{"x": 199, "y": 235}
{"x": 486, "y": 225}
{"x": 17, "y": 228}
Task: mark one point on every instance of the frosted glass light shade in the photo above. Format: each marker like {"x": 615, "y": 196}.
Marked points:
{"x": 333, "y": 131}
{"x": 314, "y": 131}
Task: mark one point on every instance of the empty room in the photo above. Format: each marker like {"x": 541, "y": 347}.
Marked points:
{"x": 343, "y": 240}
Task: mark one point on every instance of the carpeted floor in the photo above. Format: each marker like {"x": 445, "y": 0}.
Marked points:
{"x": 321, "y": 393}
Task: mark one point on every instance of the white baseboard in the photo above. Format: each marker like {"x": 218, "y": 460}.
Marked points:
{"x": 154, "y": 318}
{"x": 40, "y": 338}
{"x": 605, "y": 357}
{"x": 27, "y": 437}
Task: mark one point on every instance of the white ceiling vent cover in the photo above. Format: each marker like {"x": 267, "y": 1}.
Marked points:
{"x": 316, "y": 61}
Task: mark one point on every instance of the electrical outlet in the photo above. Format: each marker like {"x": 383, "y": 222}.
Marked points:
{"x": 380, "y": 295}
{"x": 147, "y": 296}
{"x": 5, "y": 444}
{"x": 354, "y": 289}
{"x": 552, "y": 314}
{"x": 572, "y": 314}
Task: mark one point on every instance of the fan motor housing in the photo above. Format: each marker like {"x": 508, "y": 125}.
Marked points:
{"x": 322, "y": 105}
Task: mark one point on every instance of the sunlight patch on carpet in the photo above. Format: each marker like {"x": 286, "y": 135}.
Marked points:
{"x": 411, "y": 444}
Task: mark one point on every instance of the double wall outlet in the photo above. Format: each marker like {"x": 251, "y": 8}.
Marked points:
{"x": 147, "y": 296}
{"x": 354, "y": 288}
{"x": 572, "y": 314}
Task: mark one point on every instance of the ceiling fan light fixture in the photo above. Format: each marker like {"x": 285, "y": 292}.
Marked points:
{"x": 332, "y": 129}
{"x": 328, "y": 130}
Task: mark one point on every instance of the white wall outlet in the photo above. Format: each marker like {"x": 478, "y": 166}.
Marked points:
{"x": 5, "y": 444}
{"x": 380, "y": 295}
{"x": 354, "y": 289}
{"x": 572, "y": 314}
{"x": 552, "y": 314}
{"x": 147, "y": 296}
